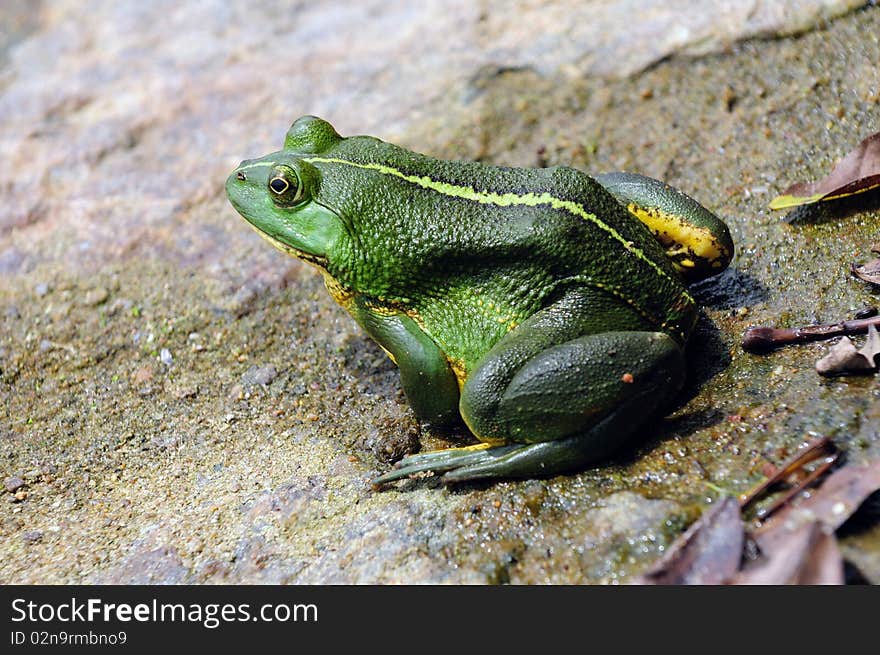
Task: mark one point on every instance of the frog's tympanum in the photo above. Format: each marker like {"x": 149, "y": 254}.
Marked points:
{"x": 544, "y": 307}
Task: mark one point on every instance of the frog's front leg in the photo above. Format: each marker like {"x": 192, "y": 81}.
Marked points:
{"x": 429, "y": 383}
{"x": 556, "y": 395}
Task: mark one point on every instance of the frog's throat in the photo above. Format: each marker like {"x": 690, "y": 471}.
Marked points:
{"x": 506, "y": 199}
{"x": 338, "y": 292}
{"x": 318, "y": 261}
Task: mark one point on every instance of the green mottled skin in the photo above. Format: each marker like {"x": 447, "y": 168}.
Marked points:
{"x": 541, "y": 326}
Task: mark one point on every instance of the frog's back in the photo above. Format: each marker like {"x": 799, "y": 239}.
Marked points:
{"x": 506, "y": 237}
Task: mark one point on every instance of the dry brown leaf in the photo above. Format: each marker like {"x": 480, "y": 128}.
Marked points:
{"x": 807, "y": 555}
{"x": 857, "y": 172}
{"x": 708, "y": 552}
{"x": 843, "y": 358}
{"x": 834, "y": 502}
{"x": 869, "y": 272}
{"x": 797, "y": 545}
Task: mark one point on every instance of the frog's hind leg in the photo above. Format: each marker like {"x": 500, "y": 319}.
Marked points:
{"x": 555, "y": 397}
{"x": 597, "y": 440}
{"x": 696, "y": 241}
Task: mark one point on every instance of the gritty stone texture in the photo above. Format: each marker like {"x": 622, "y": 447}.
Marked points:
{"x": 259, "y": 375}
{"x": 13, "y": 483}
{"x": 249, "y": 458}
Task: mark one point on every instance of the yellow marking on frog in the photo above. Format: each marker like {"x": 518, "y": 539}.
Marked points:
{"x": 338, "y": 292}
{"x": 458, "y": 369}
{"x": 499, "y": 199}
{"x": 678, "y": 237}
{"x": 388, "y": 352}
{"x": 467, "y": 449}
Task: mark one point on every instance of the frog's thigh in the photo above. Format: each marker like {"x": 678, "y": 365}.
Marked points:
{"x": 598, "y": 387}
{"x": 429, "y": 383}
{"x": 565, "y": 407}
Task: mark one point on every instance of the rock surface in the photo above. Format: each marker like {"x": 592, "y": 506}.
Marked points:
{"x": 181, "y": 403}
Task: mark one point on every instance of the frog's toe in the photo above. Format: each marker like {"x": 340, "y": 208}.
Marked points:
{"x": 439, "y": 461}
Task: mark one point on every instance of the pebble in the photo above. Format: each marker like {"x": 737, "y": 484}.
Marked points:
{"x": 32, "y": 536}
{"x": 13, "y": 483}
{"x": 165, "y": 356}
{"x": 143, "y": 375}
{"x": 96, "y": 296}
{"x": 41, "y": 289}
{"x": 259, "y": 375}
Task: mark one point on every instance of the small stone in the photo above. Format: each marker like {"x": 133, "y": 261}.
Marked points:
{"x": 394, "y": 444}
{"x": 20, "y": 495}
{"x": 262, "y": 375}
{"x": 96, "y": 296}
{"x": 143, "y": 375}
{"x": 182, "y": 391}
{"x": 32, "y": 536}
{"x": 41, "y": 289}
{"x": 13, "y": 483}
{"x": 165, "y": 357}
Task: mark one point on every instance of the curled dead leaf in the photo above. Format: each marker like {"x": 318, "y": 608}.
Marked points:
{"x": 869, "y": 272}
{"x": 808, "y": 555}
{"x": 844, "y": 359}
{"x": 857, "y": 172}
{"x": 796, "y": 546}
{"x": 708, "y": 552}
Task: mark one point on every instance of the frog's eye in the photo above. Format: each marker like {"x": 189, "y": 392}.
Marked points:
{"x": 285, "y": 186}
{"x": 279, "y": 185}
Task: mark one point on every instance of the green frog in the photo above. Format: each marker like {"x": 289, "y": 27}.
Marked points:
{"x": 545, "y": 308}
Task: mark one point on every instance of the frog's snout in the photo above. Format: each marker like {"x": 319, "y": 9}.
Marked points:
{"x": 246, "y": 179}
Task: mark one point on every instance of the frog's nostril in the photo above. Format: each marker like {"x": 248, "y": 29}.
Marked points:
{"x": 241, "y": 175}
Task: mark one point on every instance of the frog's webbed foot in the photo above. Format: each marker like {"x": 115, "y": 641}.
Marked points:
{"x": 487, "y": 461}
{"x": 451, "y": 461}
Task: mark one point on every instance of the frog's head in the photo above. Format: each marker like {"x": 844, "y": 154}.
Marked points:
{"x": 275, "y": 194}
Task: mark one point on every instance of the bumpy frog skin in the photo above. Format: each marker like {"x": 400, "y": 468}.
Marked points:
{"x": 544, "y": 307}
